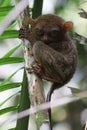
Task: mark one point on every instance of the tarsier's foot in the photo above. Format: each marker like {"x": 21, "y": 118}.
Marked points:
{"x": 36, "y": 68}
{"x": 24, "y": 33}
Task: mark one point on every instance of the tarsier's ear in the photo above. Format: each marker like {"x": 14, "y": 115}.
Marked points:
{"x": 67, "y": 25}
{"x": 31, "y": 21}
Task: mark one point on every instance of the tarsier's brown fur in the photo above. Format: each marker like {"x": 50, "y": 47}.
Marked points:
{"x": 52, "y": 49}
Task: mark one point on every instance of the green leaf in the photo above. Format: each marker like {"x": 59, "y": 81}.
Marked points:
{"x": 10, "y": 60}
{"x": 24, "y": 103}
{"x": 8, "y": 109}
{"x": 1, "y": 1}
{"x": 5, "y": 10}
{"x": 14, "y": 95}
{"x": 9, "y": 78}
{"x": 12, "y": 129}
{"x": 8, "y": 54}
{"x": 12, "y": 25}
{"x": 9, "y": 34}
{"x": 75, "y": 90}
{"x": 37, "y": 12}
{"x": 9, "y": 86}
{"x": 4, "y": 2}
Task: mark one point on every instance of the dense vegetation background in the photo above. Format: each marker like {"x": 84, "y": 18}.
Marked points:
{"x": 13, "y": 78}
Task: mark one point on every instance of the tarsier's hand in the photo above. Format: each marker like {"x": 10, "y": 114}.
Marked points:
{"x": 24, "y": 33}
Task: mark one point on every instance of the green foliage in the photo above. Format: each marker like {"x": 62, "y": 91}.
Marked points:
{"x": 10, "y": 60}
{"x": 8, "y": 109}
{"x": 9, "y": 86}
{"x": 5, "y": 10}
{"x": 24, "y": 104}
{"x": 8, "y": 54}
{"x": 81, "y": 55}
{"x": 5, "y": 81}
{"x": 4, "y": 2}
{"x": 37, "y": 11}
{"x": 12, "y": 129}
{"x": 9, "y": 34}
{"x": 75, "y": 90}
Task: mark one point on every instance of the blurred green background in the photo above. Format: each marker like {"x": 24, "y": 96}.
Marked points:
{"x": 71, "y": 116}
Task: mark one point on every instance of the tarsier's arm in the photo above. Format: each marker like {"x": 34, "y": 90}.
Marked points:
{"x": 54, "y": 51}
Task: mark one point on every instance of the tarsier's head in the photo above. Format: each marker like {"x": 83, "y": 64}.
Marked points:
{"x": 49, "y": 28}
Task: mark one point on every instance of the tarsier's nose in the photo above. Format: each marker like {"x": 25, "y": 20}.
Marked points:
{"x": 45, "y": 39}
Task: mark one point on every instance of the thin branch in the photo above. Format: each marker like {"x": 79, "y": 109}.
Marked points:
{"x": 36, "y": 91}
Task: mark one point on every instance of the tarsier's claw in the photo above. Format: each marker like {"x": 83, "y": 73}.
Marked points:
{"x": 24, "y": 33}
{"x": 35, "y": 68}
{"x": 21, "y": 33}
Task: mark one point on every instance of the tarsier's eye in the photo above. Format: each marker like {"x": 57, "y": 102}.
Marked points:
{"x": 39, "y": 32}
{"x": 55, "y": 33}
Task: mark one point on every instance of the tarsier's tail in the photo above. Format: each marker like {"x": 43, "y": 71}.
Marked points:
{"x": 48, "y": 99}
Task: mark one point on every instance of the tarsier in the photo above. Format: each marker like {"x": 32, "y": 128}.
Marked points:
{"x": 53, "y": 50}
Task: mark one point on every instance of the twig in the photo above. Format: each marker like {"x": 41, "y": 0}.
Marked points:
{"x": 36, "y": 91}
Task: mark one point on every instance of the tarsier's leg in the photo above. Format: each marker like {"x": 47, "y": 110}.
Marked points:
{"x": 51, "y": 61}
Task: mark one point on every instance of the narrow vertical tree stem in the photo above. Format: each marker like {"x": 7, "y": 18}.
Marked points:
{"x": 36, "y": 91}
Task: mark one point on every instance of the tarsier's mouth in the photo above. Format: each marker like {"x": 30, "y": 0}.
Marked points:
{"x": 48, "y": 42}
